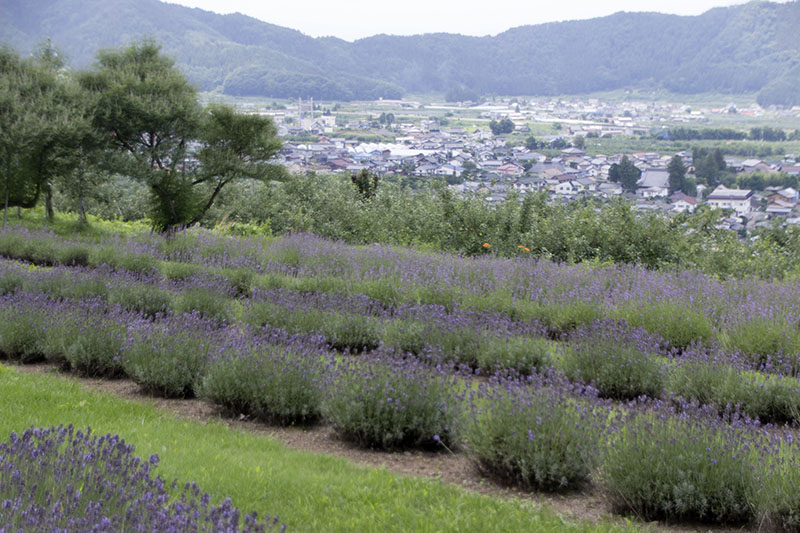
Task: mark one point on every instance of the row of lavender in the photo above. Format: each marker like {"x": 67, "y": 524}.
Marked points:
{"x": 542, "y": 432}
{"x": 759, "y": 318}
{"x": 619, "y": 360}
{"x": 63, "y": 479}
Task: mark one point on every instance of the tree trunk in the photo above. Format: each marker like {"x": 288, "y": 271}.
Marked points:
{"x": 48, "y": 203}
{"x": 5, "y": 208}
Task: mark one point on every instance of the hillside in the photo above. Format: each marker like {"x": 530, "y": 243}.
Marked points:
{"x": 745, "y": 48}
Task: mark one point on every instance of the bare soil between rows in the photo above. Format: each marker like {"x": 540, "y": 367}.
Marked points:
{"x": 454, "y": 468}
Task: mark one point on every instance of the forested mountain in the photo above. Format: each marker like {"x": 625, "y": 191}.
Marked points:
{"x": 747, "y": 48}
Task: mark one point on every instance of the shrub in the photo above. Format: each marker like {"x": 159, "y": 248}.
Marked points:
{"x": 723, "y": 384}
{"x": 690, "y": 467}
{"x": 763, "y": 340}
{"x": 204, "y": 302}
{"x": 779, "y": 494}
{"x": 276, "y": 383}
{"x": 350, "y": 332}
{"x": 96, "y": 346}
{"x": 532, "y": 434}
{"x": 168, "y": 357}
{"x": 388, "y": 404}
{"x": 59, "y": 479}
{"x": 619, "y": 362}
{"x": 10, "y": 282}
{"x": 673, "y": 322}
{"x": 74, "y": 255}
{"x": 524, "y": 354}
{"x": 23, "y": 327}
{"x": 178, "y": 271}
{"x": 141, "y": 297}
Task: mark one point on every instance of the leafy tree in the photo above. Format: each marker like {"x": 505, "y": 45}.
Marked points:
{"x": 366, "y": 183}
{"x": 628, "y": 174}
{"x": 531, "y": 143}
{"x": 186, "y": 155}
{"x": 677, "y": 174}
{"x": 613, "y": 173}
{"x": 502, "y": 127}
{"x": 29, "y": 120}
{"x": 579, "y": 142}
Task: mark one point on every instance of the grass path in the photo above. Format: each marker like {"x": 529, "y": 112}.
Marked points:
{"x": 310, "y": 492}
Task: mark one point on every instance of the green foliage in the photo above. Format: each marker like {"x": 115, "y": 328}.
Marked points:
{"x": 679, "y": 468}
{"x": 614, "y": 365}
{"x": 764, "y": 338}
{"x": 628, "y": 174}
{"x": 389, "y": 405}
{"x": 166, "y": 362}
{"x": 677, "y": 175}
{"x": 22, "y": 331}
{"x": 501, "y": 127}
{"x": 143, "y": 298}
{"x": 205, "y": 302}
{"x": 673, "y": 322}
{"x": 767, "y": 397}
{"x": 532, "y": 440}
{"x": 272, "y": 384}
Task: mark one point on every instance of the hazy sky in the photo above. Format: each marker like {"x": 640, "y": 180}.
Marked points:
{"x": 354, "y": 19}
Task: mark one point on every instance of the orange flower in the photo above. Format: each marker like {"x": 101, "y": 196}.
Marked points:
{"x": 520, "y": 247}
{"x": 486, "y": 245}
{"x": 527, "y": 249}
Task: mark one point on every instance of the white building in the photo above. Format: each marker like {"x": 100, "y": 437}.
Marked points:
{"x": 736, "y": 199}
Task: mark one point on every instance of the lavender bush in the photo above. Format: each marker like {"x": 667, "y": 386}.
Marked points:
{"x": 60, "y": 479}
{"x": 278, "y": 378}
{"x": 535, "y": 433}
{"x": 168, "y": 357}
{"x": 618, "y": 361}
{"x": 389, "y": 404}
{"x": 683, "y": 466}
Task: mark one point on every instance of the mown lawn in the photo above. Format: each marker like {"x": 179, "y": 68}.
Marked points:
{"x": 310, "y": 492}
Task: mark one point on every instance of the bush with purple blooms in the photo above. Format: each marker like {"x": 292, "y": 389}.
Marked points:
{"x": 727, "y": 382}
{"x": 393, "y": 404}
{"x": 23, "y": 327}
{"x": 672, "y": 321}
{"x": 683, "y": 466}
{"x": 278, "y": 382}
{"x": 535, "y": 433}
{"x": 90, "y": 337}
{"x": 168, "y": 357}
{"x": 618, "y": 361}
{"x": 778, "y": 496}
{"x": 60, "y": 479}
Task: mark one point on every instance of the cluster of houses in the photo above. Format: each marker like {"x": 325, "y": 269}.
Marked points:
{"x": 478, "y": 162}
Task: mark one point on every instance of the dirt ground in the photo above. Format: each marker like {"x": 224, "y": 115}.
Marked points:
{"x": 455, "y": 468}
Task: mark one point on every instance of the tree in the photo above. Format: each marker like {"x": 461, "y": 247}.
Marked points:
{"x": 27, "y": 120}
{"x": 186, "y": 155}
{"x": 502, "y": 127}
{"x": 613, "y": 173}
{"x": 579, "y": 142}
{"x": 531, "y": 143}
{"x": 628, "y": 174}
{"x": 677, "y": 174}
{"x": 366, "y": 184}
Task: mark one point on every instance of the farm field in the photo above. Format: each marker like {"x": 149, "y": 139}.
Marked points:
{"x": 548, "y": 378}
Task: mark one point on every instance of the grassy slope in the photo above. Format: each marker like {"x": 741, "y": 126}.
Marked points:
{"x": 310, "y": 492}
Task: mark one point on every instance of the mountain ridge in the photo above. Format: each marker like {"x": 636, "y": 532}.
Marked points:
{"x": 744, "y": 48}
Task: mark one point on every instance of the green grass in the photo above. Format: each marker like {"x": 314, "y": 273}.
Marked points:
{"x": 310, "y": 492}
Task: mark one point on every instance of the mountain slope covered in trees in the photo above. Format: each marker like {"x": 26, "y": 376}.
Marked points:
{"x": 747, "y": 48}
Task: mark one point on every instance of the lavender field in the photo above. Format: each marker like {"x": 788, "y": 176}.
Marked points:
{"x": 549, "y": 377}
